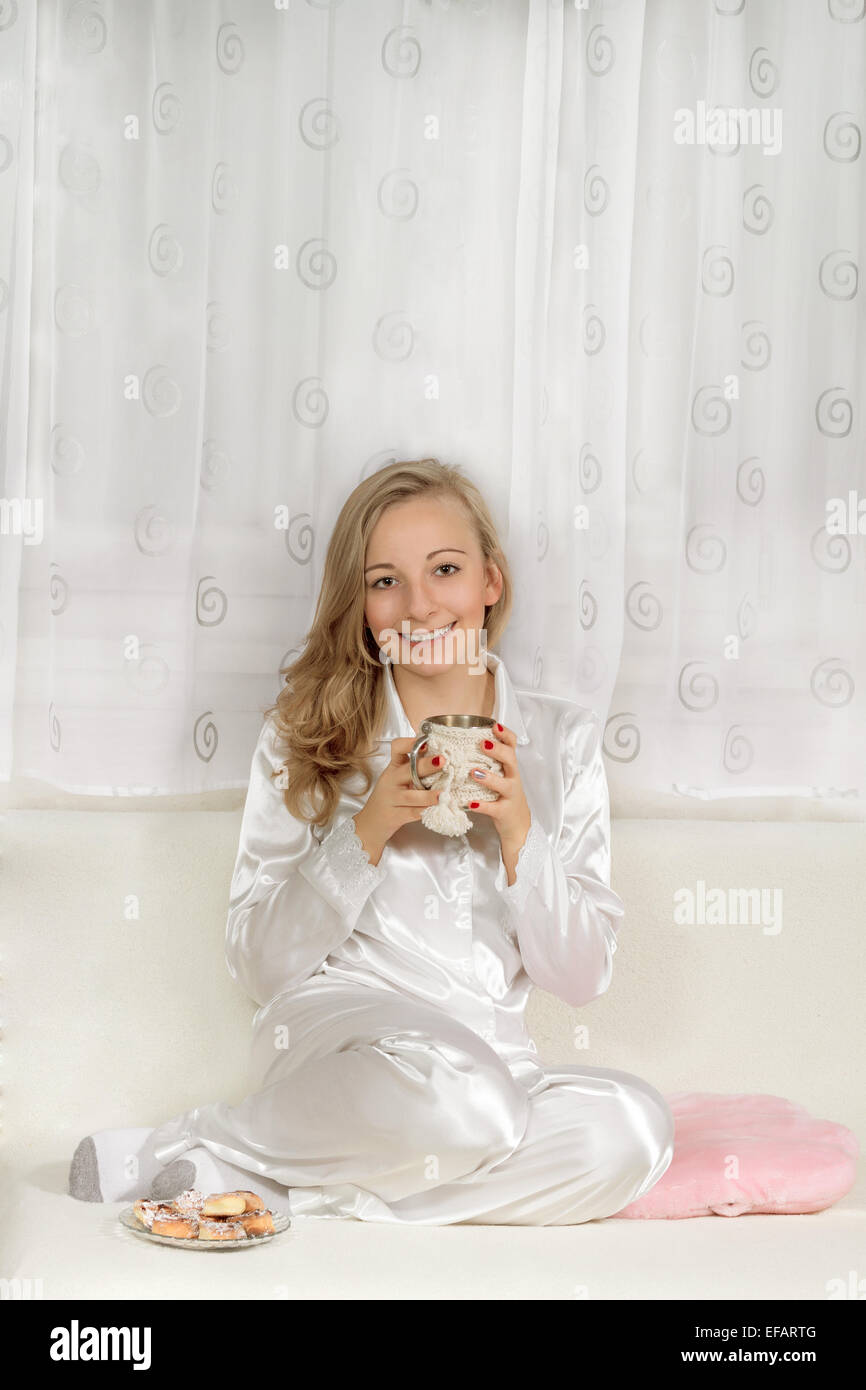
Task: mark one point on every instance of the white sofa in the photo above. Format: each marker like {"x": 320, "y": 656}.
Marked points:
{"x": 113, "y": 1019}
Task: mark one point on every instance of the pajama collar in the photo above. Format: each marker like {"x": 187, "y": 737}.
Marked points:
{"x": 505, "y": 707}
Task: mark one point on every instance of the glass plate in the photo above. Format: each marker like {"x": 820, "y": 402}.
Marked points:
{"x": 282, "y": 1221}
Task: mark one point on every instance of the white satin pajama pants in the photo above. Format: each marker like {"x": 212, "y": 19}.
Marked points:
{"x": 374, "y": 1106}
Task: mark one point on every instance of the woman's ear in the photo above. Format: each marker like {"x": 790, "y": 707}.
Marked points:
{"x": 494, "y": 578}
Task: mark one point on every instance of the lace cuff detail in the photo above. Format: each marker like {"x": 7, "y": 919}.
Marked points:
{"x": 349, "y": 862}
{"x": 530, "y": 860}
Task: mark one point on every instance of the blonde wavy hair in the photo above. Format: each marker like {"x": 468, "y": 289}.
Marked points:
{"x": 333, "y": 704}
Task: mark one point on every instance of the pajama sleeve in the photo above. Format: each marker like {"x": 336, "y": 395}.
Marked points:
{"x": 560, "y": 911}
{"x": 296, "y": 892}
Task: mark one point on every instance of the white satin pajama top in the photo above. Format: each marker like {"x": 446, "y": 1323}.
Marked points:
{"x": 435, "y": 920}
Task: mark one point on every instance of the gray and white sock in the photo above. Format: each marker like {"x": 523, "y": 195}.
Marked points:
{"x": 113, "y": 1165}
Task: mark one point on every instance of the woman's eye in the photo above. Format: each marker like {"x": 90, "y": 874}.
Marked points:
{"x": 446, "y": 565}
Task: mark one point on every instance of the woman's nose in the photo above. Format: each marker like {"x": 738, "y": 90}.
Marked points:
{"x": 421, "y": 605}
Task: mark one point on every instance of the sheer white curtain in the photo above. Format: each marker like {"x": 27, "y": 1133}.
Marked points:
{"x": 251, "y": 254}
{"x": 743, "y": 669}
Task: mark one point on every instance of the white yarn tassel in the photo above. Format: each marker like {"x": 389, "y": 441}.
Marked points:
{"x": 447, "y": 816}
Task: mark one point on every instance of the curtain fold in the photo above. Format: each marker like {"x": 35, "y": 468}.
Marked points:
{"x": 21, "y": 508}
{"x": 249, "y": 255}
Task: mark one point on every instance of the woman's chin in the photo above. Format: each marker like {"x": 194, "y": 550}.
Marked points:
{"x": 427, "y": 656}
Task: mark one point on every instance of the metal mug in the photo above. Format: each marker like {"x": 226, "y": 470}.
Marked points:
{"x": 452, "y": 721}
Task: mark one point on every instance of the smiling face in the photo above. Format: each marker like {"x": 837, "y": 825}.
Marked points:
{"x": 424, "y": 568}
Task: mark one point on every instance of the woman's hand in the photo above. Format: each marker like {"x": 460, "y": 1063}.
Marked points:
{"x": 394, "y": 799}
{"x": 510, "y": 814}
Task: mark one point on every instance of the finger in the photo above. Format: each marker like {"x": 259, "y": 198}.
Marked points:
{"x": 490, "y": 778}
{"x": 425, "y": 799}
{"x": 400, "y": 758}
{"x": 500, "y": 752}
{"x": 426, "y": 765}
{"x": 400, "y": 750}
{"x": 425, "y": 769}
{"x": 430, "y": 797}
{"x": 412, "y": 796}
{"x": 402, "y": 747}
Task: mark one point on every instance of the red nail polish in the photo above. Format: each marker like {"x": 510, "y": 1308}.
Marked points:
{"x": 487, "y": 743}
{"x": 436, "y": 762}
{"x": 500, "y": 727}
{"x": 423, "y": 746}
{"x": 473, "y": 805}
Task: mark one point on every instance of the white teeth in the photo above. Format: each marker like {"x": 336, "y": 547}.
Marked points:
{"x": 425, "y": 637}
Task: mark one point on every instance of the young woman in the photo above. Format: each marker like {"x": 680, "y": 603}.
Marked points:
{"x": 392, "y": 964}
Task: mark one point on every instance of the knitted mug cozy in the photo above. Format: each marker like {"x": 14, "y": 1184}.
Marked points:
{"x": 461, "y": 751}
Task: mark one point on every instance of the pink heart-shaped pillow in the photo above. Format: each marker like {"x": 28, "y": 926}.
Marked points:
{"x": 737, "y": 1155}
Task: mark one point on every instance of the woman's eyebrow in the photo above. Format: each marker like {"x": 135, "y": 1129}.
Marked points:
{"x": 387, "y": 565}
